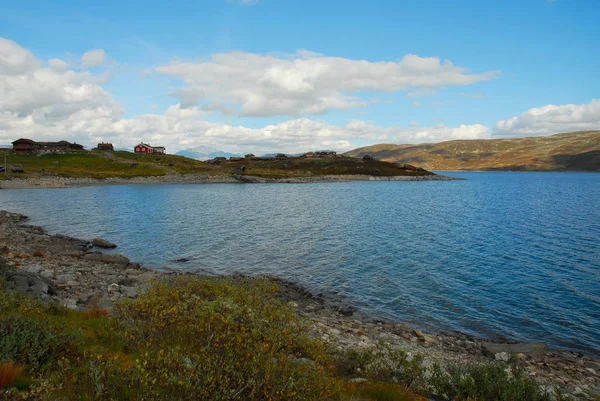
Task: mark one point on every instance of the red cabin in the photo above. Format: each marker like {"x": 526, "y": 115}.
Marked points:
{"x": 147, "y": 149}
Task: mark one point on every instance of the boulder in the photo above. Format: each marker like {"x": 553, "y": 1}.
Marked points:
{"x": 39, "y": 288}
{"x": 102, "y": 243}
{"x": 32, "y": 269}
{"x": 533, "y": 350}
{"x": 107, "y": 258}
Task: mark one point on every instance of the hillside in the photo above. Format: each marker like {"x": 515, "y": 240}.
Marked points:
{"x": 574, "y": 151}
{"x": 121, "y": 164}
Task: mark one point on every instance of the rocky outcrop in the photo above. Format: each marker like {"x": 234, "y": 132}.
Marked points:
{"x": 102, "y": 243}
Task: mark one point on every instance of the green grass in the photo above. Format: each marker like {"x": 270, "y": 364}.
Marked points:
{"x": 78, "y": 164}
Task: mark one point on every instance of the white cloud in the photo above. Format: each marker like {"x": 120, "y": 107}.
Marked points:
{"x": 306, "y": 82}
{"x": 58, "y": 64}
{"x": 14, "y": 60}
{"x": 46, "y": 101}
{"x": 552, "y": 119}
{"x": 413, "y": 123}
{"x": 93, "y": 58}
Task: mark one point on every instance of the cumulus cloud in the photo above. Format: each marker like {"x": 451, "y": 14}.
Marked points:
{"x": 552, "y": 119}
{"x": 306, "y": 82}
{"x": 34, "y": 97}
{"x": 93, "y": 58}
{"x": 50, "y": 101}
{"x": 58, "y": 64}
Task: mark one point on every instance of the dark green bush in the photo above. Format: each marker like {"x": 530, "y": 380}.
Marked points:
{"x": 35, "y": 343}
{"x": 493, "y": 382}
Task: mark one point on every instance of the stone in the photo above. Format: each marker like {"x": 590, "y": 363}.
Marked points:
{"x": 21, "y": 283}
{"x": 502, "y": 356}
{"x": 347, "y": 310}
{"x": 69, "y": 303}
{"x": 106, "y": 303}
{"x": 102, "y": 243}
{"x": 64, "y": 278}
{"x": 108, "y": 258}
{"x": 39, "y": 288}
{"x": 47, "y": 274}
{"x": 85, "y": 298}
{"x": 357, "y": 380}
{"x": 72, "y": 283}
{"x": 113, "y": 287}
{"x": 533, "y": 350}
{"x": 293, "y": 304}
{"x": 35, "y": 269}
{"x": 182, "y": 260}
{"x": 129, "y": 292}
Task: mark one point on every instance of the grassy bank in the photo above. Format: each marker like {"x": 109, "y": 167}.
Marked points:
{"x": 213, "y": 339}
{"x": 121, "y": 164}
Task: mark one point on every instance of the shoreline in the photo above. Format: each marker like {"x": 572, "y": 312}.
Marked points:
{"x": 70, "y": 271}
{"x": 71, "y": 182}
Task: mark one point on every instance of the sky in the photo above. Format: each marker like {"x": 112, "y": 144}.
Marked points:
{"x": 291, "y": 76}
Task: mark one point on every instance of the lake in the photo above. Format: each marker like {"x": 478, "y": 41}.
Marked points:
{"x": 501, "y": 254}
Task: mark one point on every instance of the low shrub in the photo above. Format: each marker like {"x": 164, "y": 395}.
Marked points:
{"x": 35, "y": 342}
{"x": 383, "y": 364}
{"x": 501, "y": 382}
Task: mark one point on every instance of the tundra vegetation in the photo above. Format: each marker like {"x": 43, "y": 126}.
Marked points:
{"x": 122, "y": 164}
{"x": 215, "y": 339}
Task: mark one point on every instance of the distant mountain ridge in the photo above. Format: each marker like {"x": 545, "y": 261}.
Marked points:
{"x": 205, "y": 153}
{"x": 573, "y": 151}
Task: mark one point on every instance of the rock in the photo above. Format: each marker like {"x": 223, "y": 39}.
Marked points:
{"x": 108, "y": 258}
{"x": 32, "y": 269}
{"x": 21, "y": 283}
{"x": 47, "y": 274}
{"x": 85, "y": 298}
{"x": 533, "y": 350}
{"x": 127, "y": 281}
{"x": 64, "y": 278}
{"x": 129, "y": 292}
{"x": 39, "y": 254}
{"x": 113, "y": 287}
{"x": 102, "y": 243}
{"x": 357, "y": 380}
{"x": 182, "y": 260}
{"x": 69, "y": 303}
{"x": 72, "y": 283}
{"x": 106, "y": 303}
{"x": 419, "y": 334}
{"x": 347, "y": 310}
{"x": 39, "y": 288}
{"x": 4, "y": 250}
{"x": 293, "y": 304}
{"x": 502, "y": 356}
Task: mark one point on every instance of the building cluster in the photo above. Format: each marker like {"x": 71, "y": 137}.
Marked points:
{"x": 28, "y": 146}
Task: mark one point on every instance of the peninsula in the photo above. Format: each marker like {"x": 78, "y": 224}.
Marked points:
{"x": 78, "y": 167}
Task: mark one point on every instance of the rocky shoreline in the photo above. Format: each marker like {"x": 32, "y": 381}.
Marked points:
{"x": 76, "y": 274}
{"x": 70, "y": 182}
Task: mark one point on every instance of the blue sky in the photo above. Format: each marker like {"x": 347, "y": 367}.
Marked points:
{"x": 519, "y": 68}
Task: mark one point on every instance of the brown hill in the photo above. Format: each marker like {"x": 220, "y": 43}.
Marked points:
{"x": 574, "y": 151}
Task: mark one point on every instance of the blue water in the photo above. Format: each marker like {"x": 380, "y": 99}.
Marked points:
{"x": 504, "y": 255}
